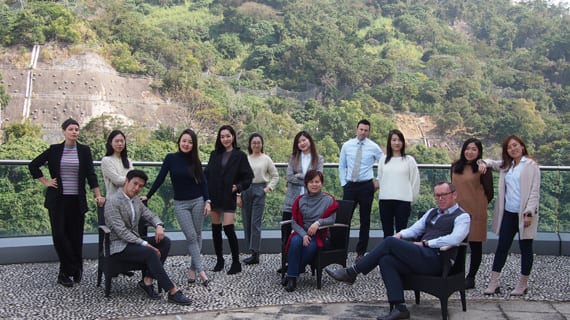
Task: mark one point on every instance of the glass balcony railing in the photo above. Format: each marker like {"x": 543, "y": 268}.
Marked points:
{"x": 22, "y": 212}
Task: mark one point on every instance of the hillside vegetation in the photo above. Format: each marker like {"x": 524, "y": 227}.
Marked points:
{"x": 476, "y": 68}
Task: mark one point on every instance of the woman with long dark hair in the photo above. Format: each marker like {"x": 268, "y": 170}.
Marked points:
{"x": 191, "y": 198}
{"x": 304, "y": 157}
{"x": 115, "y": 164}
{"x": 399, "y": 180}
{"x": 474, "y": 192}
{"x": 228, "y": 173}
{"x": 516, "y": 210}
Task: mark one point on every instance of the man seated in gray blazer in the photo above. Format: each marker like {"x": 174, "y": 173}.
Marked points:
{"x": 123, "y": 210}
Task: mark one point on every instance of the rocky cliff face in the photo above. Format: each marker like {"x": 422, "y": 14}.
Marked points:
{"x": 81, "y": 86}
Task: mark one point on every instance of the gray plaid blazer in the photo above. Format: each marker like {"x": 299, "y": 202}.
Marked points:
{"x": 119, "y": 219}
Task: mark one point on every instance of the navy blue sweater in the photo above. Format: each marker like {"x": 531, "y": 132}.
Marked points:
{"x": 184, "y": 184}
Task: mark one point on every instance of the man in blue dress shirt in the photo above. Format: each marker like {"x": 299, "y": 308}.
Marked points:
{"x": 356, "y": 172}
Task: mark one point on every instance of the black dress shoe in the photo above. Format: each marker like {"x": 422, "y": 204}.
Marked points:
{"x": 64, "y": 280}
{"x": 341, "y": 275}
{"x": 149, "y": 290}
{"x": 253, "y": 259}
{"x": 291, "y": 284}
{"x": 77, "y": 278}
{"x": 395, "y": 314}
{"x": 469, "y": 283}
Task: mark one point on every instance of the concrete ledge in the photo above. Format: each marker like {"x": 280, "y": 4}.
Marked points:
{"x": 40, "y": 249}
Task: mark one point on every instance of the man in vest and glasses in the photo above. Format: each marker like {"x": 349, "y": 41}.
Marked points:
{"x": 446, "y": 225}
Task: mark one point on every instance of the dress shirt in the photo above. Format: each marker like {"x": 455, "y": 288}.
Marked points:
{"x": 459, "y": 233}
{"x": 513, "y": 186}
{"x": 371, "y": 153}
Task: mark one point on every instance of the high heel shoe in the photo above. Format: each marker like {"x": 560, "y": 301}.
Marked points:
{"x": 219, "y": 265}
{"x": 191, "y": 279}
{"x": 522, "y": 287}
{"x": 206, "y": 282}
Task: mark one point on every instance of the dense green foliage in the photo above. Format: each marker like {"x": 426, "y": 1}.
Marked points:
{"x": 479, "y": 68}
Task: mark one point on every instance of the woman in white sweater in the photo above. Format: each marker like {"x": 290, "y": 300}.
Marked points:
{"x": 265, "y": 178}
{"x": 115, "y": 164}
{"x": 399, "y": 180}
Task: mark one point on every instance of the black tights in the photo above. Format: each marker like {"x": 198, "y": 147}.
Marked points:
{"x": 476, "y": 257}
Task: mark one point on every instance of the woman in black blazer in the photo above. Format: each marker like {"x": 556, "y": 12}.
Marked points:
{"x": 228, "y": 173}
{"x": 70, "y": 164}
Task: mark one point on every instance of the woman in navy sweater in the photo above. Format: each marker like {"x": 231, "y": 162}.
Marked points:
{"x": 191, "y": 199}
{"x": 228, "y": 174}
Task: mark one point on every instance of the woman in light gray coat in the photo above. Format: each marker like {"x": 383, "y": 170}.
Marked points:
{"x": 304, "y": 157}
{"x": 516, "y": 210}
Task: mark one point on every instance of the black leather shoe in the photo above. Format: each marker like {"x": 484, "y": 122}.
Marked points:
{"x": 179, "y": 298}
{"x": 253, "y": 259}
{"x": 235, "y": 268}
{"x": 219, "y": 265}
{"x": 469, "y": 283}
{"x": 291, "y": 284}
{"x": 149, "y": 290}
{"x": 77, "y": 278}
{"x": 341, "y": 275}
{"x": 395, "y": 314}
{"x": 64, "y": 280}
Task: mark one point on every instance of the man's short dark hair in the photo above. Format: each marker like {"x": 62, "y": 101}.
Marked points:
{"x": 364, "y": 122}
{"x": 135, "y": 173}
{"x": 69, "y": 122}
{"x": 451, "y": 186}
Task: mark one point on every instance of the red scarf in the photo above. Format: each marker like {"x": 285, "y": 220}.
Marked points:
{"x": 298, "y": 217}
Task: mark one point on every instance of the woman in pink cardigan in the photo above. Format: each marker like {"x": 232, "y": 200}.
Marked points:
{"x": 516, "y": 210}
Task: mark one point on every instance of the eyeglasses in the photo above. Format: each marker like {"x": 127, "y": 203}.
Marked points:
{"x": 442, "y": 195}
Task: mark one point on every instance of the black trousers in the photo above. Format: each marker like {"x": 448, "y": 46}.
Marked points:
{"x": 135, "y": 253}
{"x": 67, "y": 221}
{"x": 362, "y": 193}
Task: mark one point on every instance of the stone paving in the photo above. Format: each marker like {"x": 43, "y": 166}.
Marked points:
{"x": 29, "y": 291}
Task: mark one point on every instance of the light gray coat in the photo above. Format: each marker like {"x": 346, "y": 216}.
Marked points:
{"x": 118, "y": 218}
{"x": 296, "y": 181}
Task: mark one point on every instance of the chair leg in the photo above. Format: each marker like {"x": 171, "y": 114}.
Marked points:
{"x": 107, "y": 285}
{"x": 417, "y": 294}
{"x": 319, "y": 277}
{"x": 443, "y": 303}
{"x": 463, "y": 300}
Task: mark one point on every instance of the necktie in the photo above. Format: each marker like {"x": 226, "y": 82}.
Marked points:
{"x": 357, "y": 160}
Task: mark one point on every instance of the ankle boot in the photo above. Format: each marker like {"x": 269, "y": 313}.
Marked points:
{"x": 217, "y": 240}
{"x": 291, "y": 284}
{"x": 253, "y": 259}
{"x": 494, "y": 286}
{"x": 234, "y": 247}
{"x": 522, "y": 287}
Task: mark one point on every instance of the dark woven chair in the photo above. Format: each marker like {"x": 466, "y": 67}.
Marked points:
{"x": 109, "y": 266}
{"x": 452, "y": 279}
{"x": 336, "y": 250}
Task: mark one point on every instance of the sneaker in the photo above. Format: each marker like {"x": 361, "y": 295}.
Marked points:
{"x": 149, "y": 290}
{"x": 179, "y": 298}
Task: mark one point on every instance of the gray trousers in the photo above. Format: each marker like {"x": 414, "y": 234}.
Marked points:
{"x": 190, "y": 215}
{"x": 253, "y": 206}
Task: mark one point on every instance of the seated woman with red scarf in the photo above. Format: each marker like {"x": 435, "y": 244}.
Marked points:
{"x": 312, "y": 209}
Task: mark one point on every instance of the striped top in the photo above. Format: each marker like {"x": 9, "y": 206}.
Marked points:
{"x": 69, "y": 168}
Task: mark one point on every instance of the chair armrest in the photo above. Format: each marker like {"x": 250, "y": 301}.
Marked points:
{"x": 284, "y": 222}
{"x": 336, "y": 225}
{"x": 105, "y": 229}
{"x": 446, "y": 248}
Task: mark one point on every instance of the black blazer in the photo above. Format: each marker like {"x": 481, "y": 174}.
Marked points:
{"x": 220, "y": 180}
{"x": 52, "y": 157}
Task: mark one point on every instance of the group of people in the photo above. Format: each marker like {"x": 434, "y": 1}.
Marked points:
{"x": 232, "y": 178}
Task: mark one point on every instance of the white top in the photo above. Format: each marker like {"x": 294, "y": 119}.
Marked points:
{"x": 399, "y": 179}
{"x": 114, "y": 174}
{"x": 264, "y": 170}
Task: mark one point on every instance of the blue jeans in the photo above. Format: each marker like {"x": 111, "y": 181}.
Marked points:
{"x": 298, "y": 256}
